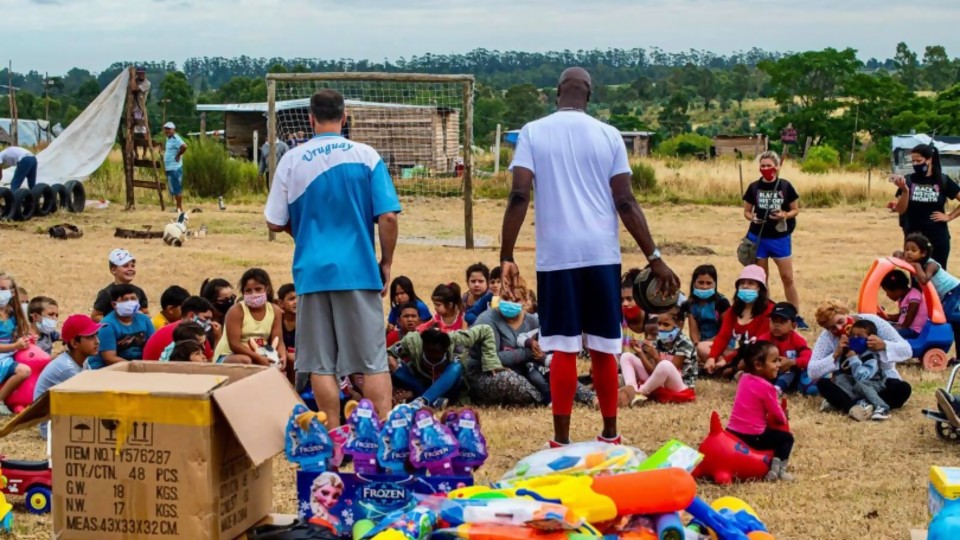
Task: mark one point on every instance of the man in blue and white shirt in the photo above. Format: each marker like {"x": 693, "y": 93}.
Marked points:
{"x": 173, "y": 164}
{"x": 327, "y": 194}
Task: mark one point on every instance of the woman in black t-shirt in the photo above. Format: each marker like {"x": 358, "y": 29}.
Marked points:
{"x": 922, "y": 198}
{"x": 771, "y": 205}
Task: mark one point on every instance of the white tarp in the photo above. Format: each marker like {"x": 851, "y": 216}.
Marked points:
{"x": 907, "y": 142}
{"x": 86, "y": 142}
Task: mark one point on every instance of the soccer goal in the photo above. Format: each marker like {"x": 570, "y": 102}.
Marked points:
{"x": 422, "y": 126}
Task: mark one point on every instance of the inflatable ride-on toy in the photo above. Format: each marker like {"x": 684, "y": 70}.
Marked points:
{"x": 936, "y": 338}
{"x": 32, "y": 480}
{"x": 727, "y": 458}
{"x": 36, "y": 359}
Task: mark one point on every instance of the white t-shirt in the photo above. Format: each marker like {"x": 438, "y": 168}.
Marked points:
{"x": 573, "y": 157}
{"x": 12, "y": 155}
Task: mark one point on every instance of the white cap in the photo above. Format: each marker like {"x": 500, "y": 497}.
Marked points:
{"x": 169, "y": 125}
{"x": 120, "y": 257}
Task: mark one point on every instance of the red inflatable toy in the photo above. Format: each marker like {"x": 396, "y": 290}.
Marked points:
{"x": 34, "y": 358}
{"x": 726, "y": 458}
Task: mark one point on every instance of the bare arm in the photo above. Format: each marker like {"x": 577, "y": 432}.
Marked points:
{"x": 110, "y": 357}
{"x": 748, "y": 213}
{"x": 636, "y": 223}
{"x": 181, "y": 152}
{"x": 277, "y": 332}
{"x": 909, "y": 316}
{"x": 280, "y": 228}
{"x": 516, "y": 213}
{"x": 694, "y": 329}
{"x": 904, "y": 199}
{"x": 234, "y": 323}
{"x": 925, "y": 273}
{"x": 389, "y": 230}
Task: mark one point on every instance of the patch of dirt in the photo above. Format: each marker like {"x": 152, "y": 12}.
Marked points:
{"x": 671, "y": 248}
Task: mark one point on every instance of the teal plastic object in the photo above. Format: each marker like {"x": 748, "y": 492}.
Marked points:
{"x": 945, "y": 525}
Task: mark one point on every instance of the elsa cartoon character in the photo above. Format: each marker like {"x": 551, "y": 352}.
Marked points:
{"x": 325, "y": 492}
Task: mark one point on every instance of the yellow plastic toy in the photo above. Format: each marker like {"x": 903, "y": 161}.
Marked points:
{"x": 6, "y": 509}
{"x": 734, "y": 504}
{"x": 390, "y": 534}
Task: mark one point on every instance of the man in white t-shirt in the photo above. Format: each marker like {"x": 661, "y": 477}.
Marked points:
{"x": 25, "y": 163}
{"x": 578, "y": 166}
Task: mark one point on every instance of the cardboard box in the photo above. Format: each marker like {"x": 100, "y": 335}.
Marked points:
{"x": 369, "y": 496}
{"x": 944, "y": 488}
{"x": 163, "y": 450}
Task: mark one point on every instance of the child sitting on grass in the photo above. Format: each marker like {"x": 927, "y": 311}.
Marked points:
{"x": 219, "y": 293}
{"x": 287, "y": 302}
{"x": 917, "y": 251}
{"x": 402, "y": 292}
{"x": 860, "y": 375}
{"x": 170, "y": 302}
{"x": 748, "y": 318}
{"x": 705, "y": 308}
{"x": 409, "y": 321}
{"x": 757, "y": 417}
{"x": 794, "y": 352}
{"x": 185, "y": 331}
{"x": 256, "y": 318}
{"x": 448, "y": 306}
{"x": 478, "y": 284}
{"x": 80, "y": 336}
{"x": 124, "y": 268}
{"x": 14, "y": 331}
{"x": 44, "y": 313}
{"x": 663, "y": 369}
{"x": 125, "y": 329}
{"x": 912, "y": 314}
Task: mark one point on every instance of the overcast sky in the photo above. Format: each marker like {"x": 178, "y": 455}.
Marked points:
{"x": 55, "y": 35}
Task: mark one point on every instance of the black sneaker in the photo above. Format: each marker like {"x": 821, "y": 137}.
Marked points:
{"x": 880, "y": 414}
{"x": 802, "y": 324}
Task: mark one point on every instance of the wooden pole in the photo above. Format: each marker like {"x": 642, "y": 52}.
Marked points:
{"x": 271, "y": 136}
{"x": 869, "y": 180}
{"x": 496, "y": 153}
{"x": 853, "y": 143}
{"x": 128, "y": 150}
{"x": 203, "y": 125}
{"x": 740, "y": 166}
{"x": 256, "y": 147}
{"x": 468, "y": 164}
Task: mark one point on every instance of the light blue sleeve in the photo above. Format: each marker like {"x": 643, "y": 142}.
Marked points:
{"x": 384, "y": 193}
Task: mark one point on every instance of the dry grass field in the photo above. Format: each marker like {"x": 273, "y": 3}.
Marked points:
{"x": 854, "y": 480}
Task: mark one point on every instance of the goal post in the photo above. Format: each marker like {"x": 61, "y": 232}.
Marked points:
{"x": 420, "y": 124}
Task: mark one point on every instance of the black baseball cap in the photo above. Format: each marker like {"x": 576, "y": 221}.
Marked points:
{"x": 785, "y": 310}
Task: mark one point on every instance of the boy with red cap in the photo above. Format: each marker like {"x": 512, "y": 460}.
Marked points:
{"x": 80, "y": 334}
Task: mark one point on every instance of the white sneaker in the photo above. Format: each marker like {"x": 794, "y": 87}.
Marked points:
{"x": 825, "y": 406}
{"x": 4, "y": 411}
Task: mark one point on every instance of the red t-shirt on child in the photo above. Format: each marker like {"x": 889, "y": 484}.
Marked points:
{"x": 792, "y": 346}
{"x": 731, "y": 328}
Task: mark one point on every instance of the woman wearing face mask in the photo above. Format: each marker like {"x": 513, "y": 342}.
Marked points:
{"x": 771, "y": 205}
{"x": 748, "y": 318}
{"x": 255, "y": 318}
{"x": 831, "y": 348}
{"x": 922, "y": 197}
{"x": 219, "y": 293}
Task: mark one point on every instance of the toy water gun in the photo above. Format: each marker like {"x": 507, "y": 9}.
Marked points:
{"x": 509, "y": 511}
{"x": 604, "y": 498}
{"x": 416, "y": 524}
{"x": 484, "y": 531}
{"x": 728, "y": 519}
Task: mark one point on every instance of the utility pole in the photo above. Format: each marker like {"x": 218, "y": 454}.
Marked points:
{"x": 856, "y": 124}
{"x": 164, "y": 101}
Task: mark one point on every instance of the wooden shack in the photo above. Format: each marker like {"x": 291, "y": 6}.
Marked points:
{"x": 406, "y": 136}
{"x": 743, "y": 146}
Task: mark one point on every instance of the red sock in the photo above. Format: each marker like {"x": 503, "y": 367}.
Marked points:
{"x": 604, "y": 381}
{"x": 563, "y": 382}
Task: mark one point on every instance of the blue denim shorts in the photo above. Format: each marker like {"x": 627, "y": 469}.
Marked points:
{"x": 175, "y": 181}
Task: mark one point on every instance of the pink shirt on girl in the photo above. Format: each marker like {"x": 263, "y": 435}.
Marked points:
{"x": 921, "y": 319}
{"x": 437, "y": 320}
{"x": 755, "y": 407}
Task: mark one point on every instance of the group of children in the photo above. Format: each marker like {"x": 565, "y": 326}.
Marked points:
{"x": 751, "y": 338}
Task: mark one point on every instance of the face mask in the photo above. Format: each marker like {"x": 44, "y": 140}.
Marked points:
{"x": 704, "y": 294}
{"x": 921, "y": 169}
{"x": 668, "y": 336}
{"x": 128, "y": 308}
{"x": 205, "y": 324}
{"x": 255, "y": 300}
{"x": 631, "y": 313}
{"x": 224, "y": 306}
{"x": 748, "y": 295}
{"x": 5, "y": 297}
{"x": 768, "y": 174}
{"x": 47, "y": 325}
{"x": 509, "y": 309}
{"x": 858, "y": 344}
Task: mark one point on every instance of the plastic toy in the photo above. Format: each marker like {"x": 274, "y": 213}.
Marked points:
{"x": 945, "y": 429}
{"x": 394, "y": 450}
{"x": 585, "y": 458}
{"x": 473, "y": 445}
{"x": 672, "y": 454}
{"x": 415, "y": 524}
{"x": 728, "y": 518}
{"x": 945, "y": 525}
{"x": 364, "y": 437}
{"x": 506, "y": 511}
{"x": 604, "y": 498}
{"x": 432, "y": 445}
{"x": 307, "y": 442}
{"x": 31, "y": 479}
{"x": 936, "y": 338}
{"x": 6, "y": 509}
{"x": 517, "y": 532}
{"x": 727, "y": 458}
{"x": 36, "y": 359}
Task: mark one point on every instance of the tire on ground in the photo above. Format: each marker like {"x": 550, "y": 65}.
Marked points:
{"x": 24, "y": 205}
{"x": 44, "y": 199}
{"x": 6, "y": 203}
{"x": 61, "y": 193}
{"x": 76, "y": 196}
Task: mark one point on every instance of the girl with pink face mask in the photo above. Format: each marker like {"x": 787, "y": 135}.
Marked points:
{"x": 253, "y": 325}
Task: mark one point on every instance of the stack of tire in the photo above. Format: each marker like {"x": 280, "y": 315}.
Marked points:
{"x": 41, "y": 200}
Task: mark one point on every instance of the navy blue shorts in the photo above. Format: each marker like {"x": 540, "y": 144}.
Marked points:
{"x": 580, "y": 301}
{"x": 775, "y": 248}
